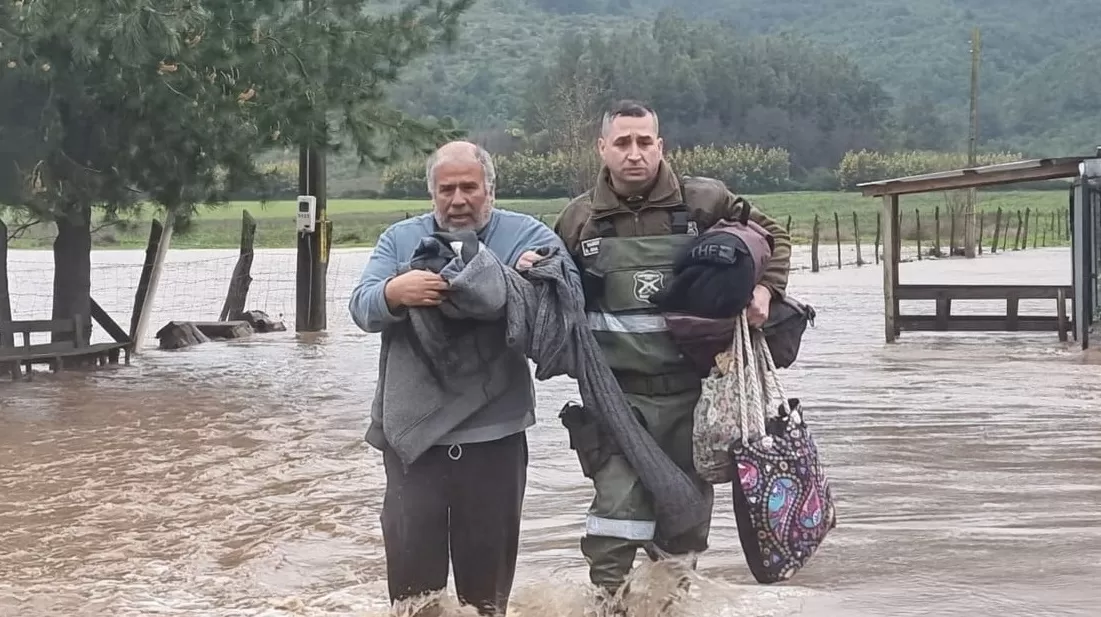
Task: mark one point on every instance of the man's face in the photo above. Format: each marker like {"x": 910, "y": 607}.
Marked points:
{"x": 631, "y": 150}
{"x": 460, "y": 200}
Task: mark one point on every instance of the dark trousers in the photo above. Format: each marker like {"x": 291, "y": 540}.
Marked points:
{"x": 458, "y": 502}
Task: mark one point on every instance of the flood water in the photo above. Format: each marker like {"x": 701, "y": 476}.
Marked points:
{"x": 231, "y": 478}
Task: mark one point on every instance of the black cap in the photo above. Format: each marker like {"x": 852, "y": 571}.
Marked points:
{"x": 713, "y": 277}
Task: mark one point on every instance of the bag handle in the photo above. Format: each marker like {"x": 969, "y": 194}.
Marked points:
{"x": 750, "y": 394}
{"x": 743, "y": 214}
{"x": 757, "y": 395}
{"x": 773, "y": 388}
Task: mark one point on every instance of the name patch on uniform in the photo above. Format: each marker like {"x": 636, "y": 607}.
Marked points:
{"x": 590, "y": 247}
{"x": 647, "y": 283}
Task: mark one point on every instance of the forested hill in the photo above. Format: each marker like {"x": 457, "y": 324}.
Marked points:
{"x": 891, "y": 73}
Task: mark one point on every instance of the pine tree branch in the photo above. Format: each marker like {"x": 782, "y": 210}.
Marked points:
{"x": 290, "y": 52}
{"x": 76, "y": 164}
{"x": 14, "y": 233}
{"x": 109, "y": 223}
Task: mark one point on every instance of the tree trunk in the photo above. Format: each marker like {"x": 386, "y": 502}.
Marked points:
{"x": 5, "y": 297}
{"x": 73, "y": 269}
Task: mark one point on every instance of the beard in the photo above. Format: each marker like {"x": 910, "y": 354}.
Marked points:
{"x": 474, "y": 223}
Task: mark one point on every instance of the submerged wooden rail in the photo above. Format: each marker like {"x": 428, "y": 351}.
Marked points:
{"x": 21, "y": 354}
{"x": 1011, "y": 321}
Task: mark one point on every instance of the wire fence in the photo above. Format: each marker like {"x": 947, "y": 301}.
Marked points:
{"x": 192, "y": 287}
{"x": 194, "y": 283}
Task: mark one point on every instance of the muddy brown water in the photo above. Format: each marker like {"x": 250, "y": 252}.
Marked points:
{"x": 231, "y": 479}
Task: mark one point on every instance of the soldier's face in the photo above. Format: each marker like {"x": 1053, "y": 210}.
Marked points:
{"x": 631, "y": 150}
{"x": 460, "y": 199}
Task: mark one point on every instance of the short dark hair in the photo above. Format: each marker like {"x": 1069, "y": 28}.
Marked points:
{"x": 630, "y": 108}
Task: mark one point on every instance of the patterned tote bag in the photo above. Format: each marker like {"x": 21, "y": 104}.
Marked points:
{"x": 718, "y": 415}
{"x": 783, "y": 503}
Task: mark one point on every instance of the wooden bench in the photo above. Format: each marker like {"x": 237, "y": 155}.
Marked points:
{"x": 16, "y": 349}
{"x": 1012, "y": 321}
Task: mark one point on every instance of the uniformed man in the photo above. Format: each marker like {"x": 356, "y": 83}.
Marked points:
{"x": 624, "y": 234}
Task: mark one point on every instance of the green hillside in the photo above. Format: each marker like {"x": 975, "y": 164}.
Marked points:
{"x": 1036, "y": 96}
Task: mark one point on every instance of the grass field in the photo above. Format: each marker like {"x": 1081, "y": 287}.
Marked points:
{"x": 359, "y": 222}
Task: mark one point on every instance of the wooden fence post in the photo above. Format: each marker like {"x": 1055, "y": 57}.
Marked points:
{"x": 997, "y": 228}
{"x": 982, "y": 224}
{"x": 878, "y": 231}
{"x": 242, "y": 272}
{"x": 1017, "y": 238}
{"x": 917, "y": 231}
{"x": 1024, "y": 235}
{"x": 814, "y": 245}
{"x": 160, "y": 238}
{"x": 936, "y": 221}
{"x": 837, "y": 236}
{"x": 951, "y": 231}
{"x": 856, "y": 235}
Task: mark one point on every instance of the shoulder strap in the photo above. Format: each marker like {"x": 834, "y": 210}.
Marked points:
{"x": 679, "y": 218}
{"x": 679, "y": 222}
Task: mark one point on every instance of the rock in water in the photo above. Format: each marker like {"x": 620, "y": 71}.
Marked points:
{"x": 224, "y": 330}
{"x": 180, "y": 334}
{"x": 261, "y": 322}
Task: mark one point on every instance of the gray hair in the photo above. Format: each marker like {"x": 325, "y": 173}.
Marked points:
{"x": 629, "y": 108}
{"x": 480, "y": 155}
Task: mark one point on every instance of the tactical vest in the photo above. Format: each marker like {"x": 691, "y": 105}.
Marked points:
{"x": 620, "y": 274}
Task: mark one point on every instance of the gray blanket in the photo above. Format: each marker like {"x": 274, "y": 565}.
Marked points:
{"x": 462, "y": 340}
{"x": 490, "y": 308}
{"x": 559, "y": 341}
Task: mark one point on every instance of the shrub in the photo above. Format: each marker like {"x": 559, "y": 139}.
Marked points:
{"x": 404, "y": 180}
{"x": 527, "y": 175}
{"x": 744, "y": 169}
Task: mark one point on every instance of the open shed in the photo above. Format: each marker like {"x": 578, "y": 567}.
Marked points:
{"x": 1085, "y": 224}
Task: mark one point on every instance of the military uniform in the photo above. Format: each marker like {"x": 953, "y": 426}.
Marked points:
{"x": 625, "y": 248}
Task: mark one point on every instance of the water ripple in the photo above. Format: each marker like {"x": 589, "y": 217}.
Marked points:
{"x": 232, "y": 479}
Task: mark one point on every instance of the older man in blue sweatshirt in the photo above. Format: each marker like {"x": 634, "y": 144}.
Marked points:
{"x": 464, "y": 494}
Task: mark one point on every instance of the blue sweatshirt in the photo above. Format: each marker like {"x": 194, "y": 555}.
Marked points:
{"x": 508, "y": 234}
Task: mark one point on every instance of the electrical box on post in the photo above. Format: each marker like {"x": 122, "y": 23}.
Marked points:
{"x": 307, "y": 212}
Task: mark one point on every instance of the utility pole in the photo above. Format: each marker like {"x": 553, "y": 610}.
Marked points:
{"x": 972, "y": 143}
{"x": 313, "y": 246}
{"x": 314, "y": 232}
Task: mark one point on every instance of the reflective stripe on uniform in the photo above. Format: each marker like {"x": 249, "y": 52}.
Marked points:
{"x": 641, "y": 531}
{"x": 627, "y": 324}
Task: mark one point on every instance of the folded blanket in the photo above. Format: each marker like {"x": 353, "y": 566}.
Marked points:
{"x": 490, "y": 309}
{"x": 430, "y": 359}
